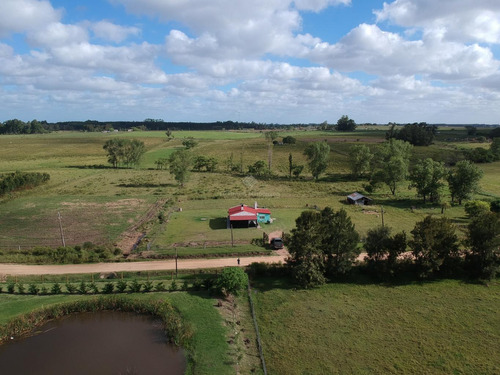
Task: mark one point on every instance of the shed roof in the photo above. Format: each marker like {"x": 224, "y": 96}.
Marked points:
{"x": 356, "y": 196}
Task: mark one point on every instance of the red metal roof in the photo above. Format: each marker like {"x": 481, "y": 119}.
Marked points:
{"x": 244, "y": 212}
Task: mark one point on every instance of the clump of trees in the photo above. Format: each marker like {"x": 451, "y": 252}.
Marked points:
{"x": 345, "y": 124}
{"x": 16, "y": 126}
{"x": 179, "y": 165}
{"x": 126, "y": 152}
{"x": 417, "y": 134}
{"x": 21, "y": 180}
{"x": 205, "y": 163}
{"x": 323, "y": 244}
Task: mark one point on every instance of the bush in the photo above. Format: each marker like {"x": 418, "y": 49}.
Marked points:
{"x": 71, "y": 288}
{"x": 160, "y": 287}
{"x": 93, "y": 288}
{"x": 173, "y": 286}
{"x": 10, "y": 288}
{"x": 476, "y": 208}
{"x": 135, "y": 286}
{"x": 148, "y": 286}
{"x": 44, "y": 290}
{"x": 33, "y": 289}
{"x": 83, "y": 288}
{"x": 121, "y": 286}
{"x": 21, "y": 289}
{"x": 495, "y": 206}
{"x": 108, "y": 288}
{"x": 56, "y": 289}
{"x": 185, "y": 285}
{"x": 231, "y": 281}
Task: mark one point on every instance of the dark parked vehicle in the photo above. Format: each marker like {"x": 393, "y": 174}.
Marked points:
{"x": 277, "y": 243}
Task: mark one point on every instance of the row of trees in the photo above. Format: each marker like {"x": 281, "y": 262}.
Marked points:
{"x": 21, "y": 180}
{"x": 390, "y": 165}
{"x": 324, "y": 245}
{"x": 16, "y": 126}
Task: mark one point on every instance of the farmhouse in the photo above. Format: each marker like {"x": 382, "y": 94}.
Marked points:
{"x": 243, "y": 216}
{"x": 359, "y": 199}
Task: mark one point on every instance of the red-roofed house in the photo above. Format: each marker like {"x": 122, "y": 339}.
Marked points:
{"x": 246, "y": 216}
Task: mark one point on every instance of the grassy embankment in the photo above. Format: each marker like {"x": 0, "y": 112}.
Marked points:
{"x": 444, "y": 327}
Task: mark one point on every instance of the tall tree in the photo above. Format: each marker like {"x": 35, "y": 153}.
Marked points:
{"x": 339, "y": 242}
{"x": 483, "y": 240}
{"x": 306, "y": 256}
{"x": 393, "y": 161}
{"x": 427, "y": 177}
{"x": 345, "y": 124}
{"x": 434, "y": 245}
{"x": 318, "y": 154}
{"x": 360, "y": 160}
{"x": 180, "y": 163}
{"x": 322, "y": 244}
{"x": 463, "y": 180}
{"x": 124, "y": 151}
{"x": 383, "y": 250}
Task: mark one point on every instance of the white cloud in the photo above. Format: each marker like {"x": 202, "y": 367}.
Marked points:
{"x": 458, "y": 20}
{"x": 58, "y": 34}
{"x": 317, "y": 5}
{"x": 114, "y": 33}
{"x": 25, "y": 15}
{"x": 367, "y": 48}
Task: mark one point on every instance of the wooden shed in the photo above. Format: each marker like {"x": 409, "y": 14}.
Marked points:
{"x": 359, "y": 199}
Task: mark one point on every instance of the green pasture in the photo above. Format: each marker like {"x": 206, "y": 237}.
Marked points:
{"x": 444, "y": 327}
{"x": 99, "y": 203}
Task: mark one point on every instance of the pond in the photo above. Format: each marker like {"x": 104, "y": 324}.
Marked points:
{"x": 106, "y": 342}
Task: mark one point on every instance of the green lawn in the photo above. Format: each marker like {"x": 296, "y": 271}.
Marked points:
{"x": 445, "y": 327}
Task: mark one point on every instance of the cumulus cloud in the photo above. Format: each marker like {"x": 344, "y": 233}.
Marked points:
{"x": 317, "y": 5}
{"x": 368, "y": 48}
{"x": 112, "y": 32}
{"x": 461, "y": 20}
{"x": 25, "y": 15}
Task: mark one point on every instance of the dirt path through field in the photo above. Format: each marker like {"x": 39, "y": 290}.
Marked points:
{"x": 22, "y": 269}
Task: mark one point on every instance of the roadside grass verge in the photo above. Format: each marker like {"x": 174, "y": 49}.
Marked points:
{"x": 442, "y": 327}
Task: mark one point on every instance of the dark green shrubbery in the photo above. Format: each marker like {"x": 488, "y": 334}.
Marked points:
{"x": 21, "y": 180}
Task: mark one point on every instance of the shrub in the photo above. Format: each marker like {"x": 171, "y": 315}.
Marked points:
{"x": 173, "y": 286}
{"x": 33, "y": 289}
{"x": 197, "y": 284}
{"x": 83, "y": 288}
{"x": 21, "y": 289}
{"x": 121, "y": 286}
{"x": 135, "y": 286}
{"x": 11, "y": 287}
{"x": 160, "y": 287}
{"x": 476, "y": 208}
{"x": 56, "y": 289}
{"x": 93, "y": 288}
{"x": 71, "y": 288}
{"x": 44, "y": 290}
{"x": 148, "y": 286}
{"x": 231, "y": 281}
{"x": 185, "y": 285}
{"x": 108, "y": 288}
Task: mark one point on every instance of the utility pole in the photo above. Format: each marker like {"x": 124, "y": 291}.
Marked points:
{"x": 382, "y": 212}
{"x": 232, "y": 238}
{"x": 176, "y": 263}
{"x": 61, "y": 229}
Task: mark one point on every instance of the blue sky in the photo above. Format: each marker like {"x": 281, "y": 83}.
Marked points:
{"x": 274, "y": 61}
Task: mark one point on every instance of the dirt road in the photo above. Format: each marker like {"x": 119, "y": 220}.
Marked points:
{"x": 183, "y": 264}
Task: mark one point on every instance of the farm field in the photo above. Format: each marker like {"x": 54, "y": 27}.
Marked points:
{"x": 100, "y": 205}
{"x": 444, "y": 327}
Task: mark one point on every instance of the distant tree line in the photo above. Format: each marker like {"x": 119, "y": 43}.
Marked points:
{"x": 16, "y": 126}
{"x": 21, "y": 180}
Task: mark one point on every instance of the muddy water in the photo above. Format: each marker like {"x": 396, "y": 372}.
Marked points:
{"x": 94, "y": 343}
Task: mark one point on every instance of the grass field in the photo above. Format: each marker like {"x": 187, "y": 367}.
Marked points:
{"x": 98, "y": 203}
{"x": 445, "y": 327}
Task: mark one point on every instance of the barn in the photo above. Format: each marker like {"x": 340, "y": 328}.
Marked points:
{"x": 359, "y": 199}
{"x": 244, "y": 216}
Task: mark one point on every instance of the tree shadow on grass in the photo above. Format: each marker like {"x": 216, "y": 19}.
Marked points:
{"x": 146, "y": 185}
